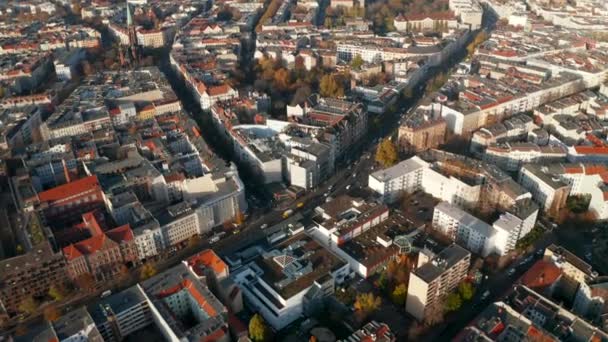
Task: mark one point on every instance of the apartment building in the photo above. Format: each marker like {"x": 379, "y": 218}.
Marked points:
{"x": 548, "y": 190}
{"x": 174, "y": 301}
{"x": 511, "y": 156}
{"x": 404, "y": 177}
{"x": 550, "y": 183}
{"x": 435, "y": 178}
{"x": 308, "y": 163}
{"x": 485, "y": 100}
{"x": 424, "y": 129}
{"x": 30, "y": 275}
{"x": 468, "y": 11}
{"x": 375, "y": 331}
{"x": 420, "y": 22}
{"x": 431, "y": 282}
{"x": 480, "y": 237}
{"x": 527, "y": 314}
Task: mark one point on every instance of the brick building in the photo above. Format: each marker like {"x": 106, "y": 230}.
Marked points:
{"x": 65, "y": 203}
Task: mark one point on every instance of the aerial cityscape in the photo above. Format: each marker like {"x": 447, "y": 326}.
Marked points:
{"x": 303, "y": 170}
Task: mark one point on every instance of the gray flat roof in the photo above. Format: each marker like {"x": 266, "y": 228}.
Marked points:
{"x": 404, "y": 167}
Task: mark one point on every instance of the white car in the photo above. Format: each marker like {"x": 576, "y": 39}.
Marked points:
{"x": 264, "y": 226}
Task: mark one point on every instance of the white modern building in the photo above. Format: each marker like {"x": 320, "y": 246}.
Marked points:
{"x": 478, "y": 236}
{"x": 287, "y": 281}
{"x": 402, "y": 178}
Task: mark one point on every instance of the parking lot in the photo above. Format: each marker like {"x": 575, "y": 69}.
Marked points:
{"x": 417, "y": 208}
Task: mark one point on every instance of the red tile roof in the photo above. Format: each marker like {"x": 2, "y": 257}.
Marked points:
{"x": 595, "y": 169}
{"x": 120, "y": 234}
{"x": 215, "y": 336}
{"x": 541, "y": 274}
{"x": 207, "y": 258}
{"x": 591, "y": 150}
{"x": 89, "y": 246}
{"x": 573, "y": 169}
{"x": 218, "y": 90}
{"x": 188, "y": 285}
{"x": 70, "y": 189}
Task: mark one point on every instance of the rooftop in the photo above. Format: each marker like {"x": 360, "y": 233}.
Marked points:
{"x": 295, "y": 264}
{"x": 441, "y": 262}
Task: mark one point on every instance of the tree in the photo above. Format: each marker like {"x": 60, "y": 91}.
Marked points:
{"x": 301, "y": 94}
{"x": 56, "y": 292}
{"x": 357, "y": 62}
{"x": 529, "y": 239}
{"x": 386, "y": 154}
{"x": 399, "y": 294}
{"x": 281, "y": 79}
{"x": 578, "y": 203}
{"x": 29, "y": 305}
{"x": 329, "y": 87}
{"x": 85, "y": 282}
{"x": 51, "y": 313}
{"x": 345, "y": 296}
{"x": 366, "y": 303}
{"x": 466, "y": 290}
{"x": 480, "y": 38}
{"x": 239, "y": 219}
{"x": 147, "y": 271}
{"x": 21, "y": 330}
{"x": 434, "y": 314}
{"x": 194, "y": 241}
{"x": 453, "y": 302}
{"x": 258, "y": 331}
{"x": 76, "y": 8}
{"x": 382, "y": 281}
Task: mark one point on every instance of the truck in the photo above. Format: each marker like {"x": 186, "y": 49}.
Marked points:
{"x": 287, "y": 213}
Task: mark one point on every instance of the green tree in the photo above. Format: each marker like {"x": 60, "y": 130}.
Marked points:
{"x": 466, "y": 290}
{"x": 366, "y": 303}
{"x": 258, "y": 331}
{"x": 453, "y": 302}
{"x": 345, "y": 295}
{"x": 56, "y": 292}
{"x": 329, "y": 87}
{"x": 480, "y": 38}
{"x": 29, "y": 305}
{"x": 399, "y": 294}
{"x": 147, "y": 271}
{"x": 357, "y": 62}
{"x": 386, "y": 153}
{"x": 382, "y": 281}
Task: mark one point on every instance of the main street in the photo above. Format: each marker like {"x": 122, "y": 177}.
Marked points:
{"x": 252, "y": 232}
